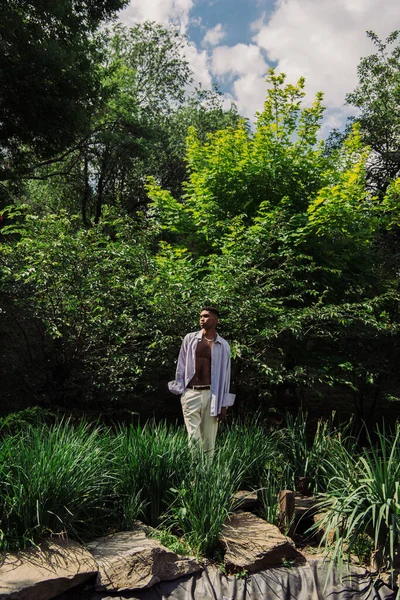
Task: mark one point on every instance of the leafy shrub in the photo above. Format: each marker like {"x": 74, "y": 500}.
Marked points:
{"x": 98, "y": 296}
{"x": 18, "y": 421}
{"x": 363, "y": 500}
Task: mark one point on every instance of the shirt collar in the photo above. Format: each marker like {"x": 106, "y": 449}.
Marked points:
{"x": 199, "y": 336}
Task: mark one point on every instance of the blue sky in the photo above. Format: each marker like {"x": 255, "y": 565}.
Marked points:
{"x": 234, "y": 42}
{"x": 236, "y": 18}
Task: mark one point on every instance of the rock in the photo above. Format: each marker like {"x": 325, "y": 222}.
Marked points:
{"x": 41, "y": 574}
{"x": 253, "y": 544}
{"x": 246, "y": 500}
{"x": 128, "y": 560}
{"x": 320, "y": 531}
{"x": 305, "y": 506}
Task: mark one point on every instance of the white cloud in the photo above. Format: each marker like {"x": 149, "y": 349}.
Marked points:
{"x": 324, "y": 40}
{"x": 240, "y": 59}
{"x": 321, "y": 40}
{"x": 178, "y": 13}
{"x": 214, "y": 36}
{"x": 249, "y": 94}
{"x": 246, "y": 66}
{"x": 161, "y": 11}
{"x": 199, "y": 63}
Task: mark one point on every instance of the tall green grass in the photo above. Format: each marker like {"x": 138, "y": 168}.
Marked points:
{"x": 305, "y": 454}
{"x": 150, "y": 460}
{"x": 255, "y": 448}
{"x": 84, "y": 480}
{"x": 54, "y": 480}
{"x": 205, "y": 498}
{"x": 259, "y": 457}
{"x": 363, "y": 500}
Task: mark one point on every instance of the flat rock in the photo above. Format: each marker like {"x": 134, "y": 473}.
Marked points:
{"x": 246, "y": 500}
{"x": 319, "y": 533}
{"x": 253, "y": 544}
{"x": 128, "y": 560}
{"x": 41, "y": 574}
{"x": 305, "y": 505}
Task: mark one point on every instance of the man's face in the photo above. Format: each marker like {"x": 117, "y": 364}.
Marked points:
{"x": 208, "y": 320}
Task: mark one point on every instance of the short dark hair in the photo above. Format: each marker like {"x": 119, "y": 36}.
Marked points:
{"x": 211, "y": 309}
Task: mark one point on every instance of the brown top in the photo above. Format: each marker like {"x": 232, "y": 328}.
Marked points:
{"x": 202, "y": 375}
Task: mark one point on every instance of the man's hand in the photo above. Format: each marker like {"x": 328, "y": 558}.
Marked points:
{"x": 222, "y": 415}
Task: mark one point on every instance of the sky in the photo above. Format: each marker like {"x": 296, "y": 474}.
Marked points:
{"x": 234, "y": 42}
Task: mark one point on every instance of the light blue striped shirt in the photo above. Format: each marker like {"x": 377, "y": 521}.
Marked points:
{"x": 220, "y": 370}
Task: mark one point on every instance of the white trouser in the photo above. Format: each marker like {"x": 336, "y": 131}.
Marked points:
{"x": 199, "y": 423}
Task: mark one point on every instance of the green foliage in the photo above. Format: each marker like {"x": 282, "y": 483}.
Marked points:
{"x": 234, "y": 171}
{"x": 49, "y": 77}
{"x": 138, "y": 130}
{"x": 273, "y": 481}
{"x": 306, "y": 457}
{"x": 391, "y": 204}
{"x": 362, "y": 499}
{"x": 98, "y": 294}
{"x": 151, "y": 460}
{"x": 171, "y": 541}
{"x": 14, "y": 423}
{"x": 54, "y": 480}
{"x": 260, "y": 448}
{"x": 377, "y": 98}
{"x": 285, "y": 238}
{"x": 204, "y": 499}
{"x": 83, "y": 480}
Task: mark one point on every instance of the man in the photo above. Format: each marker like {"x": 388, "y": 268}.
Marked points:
{"x": 203, "y": 377}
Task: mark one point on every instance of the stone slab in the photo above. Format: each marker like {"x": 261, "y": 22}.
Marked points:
{"x": 253, "y": 544}
{"x": 45, "y": 572}
{"x": 305, "y": 505}
{"x": 246, "y": 500}
{"x": 128, "y": 560}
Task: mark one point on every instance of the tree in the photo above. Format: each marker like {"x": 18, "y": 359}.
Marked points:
{"x": 283, "y": 236}
{"x": 140, "y": 128}
{"x": 233, "y": 171}
{"x": 377, "y": 96}
{"x": 285, "y": 239}
{"x": 98, "y": 299}
{"x": 49, "y": 81}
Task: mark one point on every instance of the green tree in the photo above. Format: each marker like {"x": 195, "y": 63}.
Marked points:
{"x": 101, "y": 301}
{"x": 139, "y": 130}
{"x": 285, "y": 239}
{"x": 377, "y": 96}
{"x": 233, "y": 171}
{"x": 48, "y": 74}
{"x": 283, "y": 236}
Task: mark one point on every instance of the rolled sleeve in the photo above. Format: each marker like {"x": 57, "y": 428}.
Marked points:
{"x": 229, "y": 399}
{"x": 176, "y": 387}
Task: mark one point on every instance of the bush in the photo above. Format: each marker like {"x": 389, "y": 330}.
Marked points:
{"x": 362, "y": 500}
